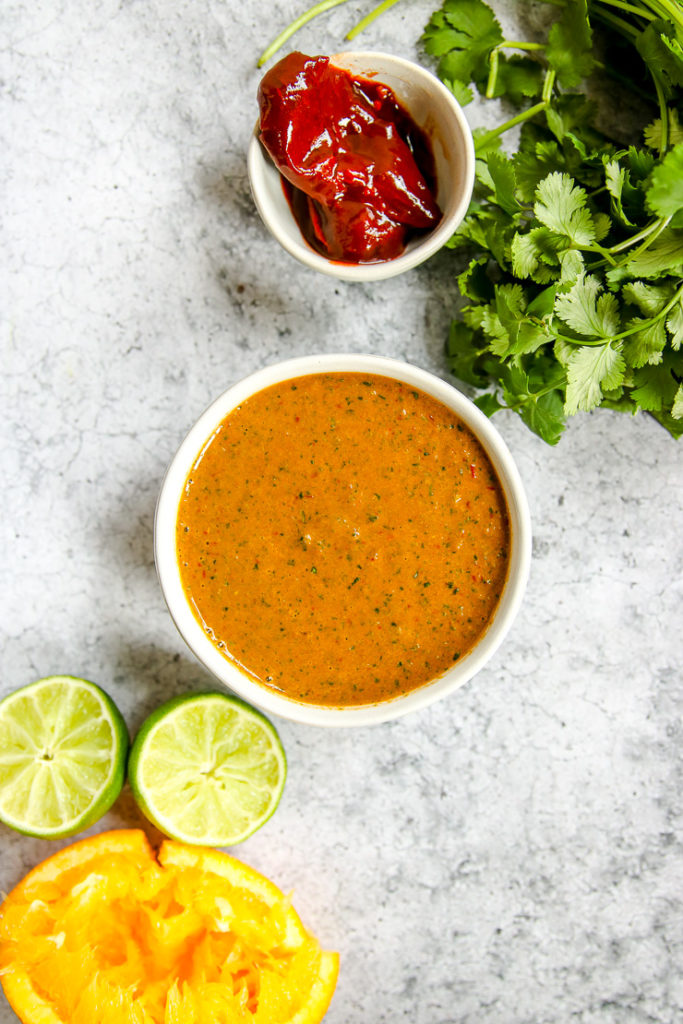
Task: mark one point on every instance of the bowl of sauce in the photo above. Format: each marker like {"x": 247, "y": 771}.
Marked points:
{"x": 341, "y": 539}
{"x": 361, "y": 164}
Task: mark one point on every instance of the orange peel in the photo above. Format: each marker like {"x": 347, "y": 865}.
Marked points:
{"x": 106, "y": 930}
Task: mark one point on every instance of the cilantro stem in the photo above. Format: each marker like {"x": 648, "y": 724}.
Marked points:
{"x": 661, "y": 225}
{"x": 600, "y": 250}
{"x": 294, "y": 26}
{"x": 493, "y": 74}
{"x": 519, "y": 44}
{"x": 590, "y": 342}
{"x": 535, "y": 395}
{"x": 647, "y": 236}
{"x": 663, "y": 115}
{"x": 671, "y": 303}
{"x": 483, "y": 140}
{"x": 622, "y": 26}
{"x": 630, "y": 9}
{"x": 369, "y": 18}
{"x": 548, "y": 84}
{"x": 665, "y": 9}
{"x": 507, "y": 44}
{"x": 634, "y": 239}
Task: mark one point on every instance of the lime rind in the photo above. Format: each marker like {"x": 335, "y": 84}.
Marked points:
{"x": 207, "y": 769}
{"x": 63, "y": 746}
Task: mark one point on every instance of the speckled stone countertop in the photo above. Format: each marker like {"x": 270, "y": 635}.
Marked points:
{"x": 511, "y": 855}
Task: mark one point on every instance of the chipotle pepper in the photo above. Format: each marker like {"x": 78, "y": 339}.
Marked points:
{"x": 356, "y": 169}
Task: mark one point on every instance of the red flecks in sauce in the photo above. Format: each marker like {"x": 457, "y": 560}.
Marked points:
{"x": 358, "y": 171}
{"x": 337, "y": 557}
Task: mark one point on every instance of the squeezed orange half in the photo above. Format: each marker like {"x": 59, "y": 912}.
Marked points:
{"x": 105, "y": 932}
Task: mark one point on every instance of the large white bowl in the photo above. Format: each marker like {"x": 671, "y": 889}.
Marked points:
{"x": 228, "y": 672}
{"x": 436, "y": 111}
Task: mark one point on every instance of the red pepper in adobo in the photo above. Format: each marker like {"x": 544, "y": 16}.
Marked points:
{"x": 357, "y": 170}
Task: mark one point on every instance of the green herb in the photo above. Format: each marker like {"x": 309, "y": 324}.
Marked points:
{"x": 574, "y": 289}
{"x": 574, "y": 286}
{"x": 313, "y": 12}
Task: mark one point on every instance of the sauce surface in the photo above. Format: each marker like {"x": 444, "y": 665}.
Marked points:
{"x": 357, "y": 170}
{"x": 343, "y": 538}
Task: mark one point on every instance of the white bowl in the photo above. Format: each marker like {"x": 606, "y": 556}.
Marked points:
{"x": 436, "y": 111}
{"x": 226, "y": 671}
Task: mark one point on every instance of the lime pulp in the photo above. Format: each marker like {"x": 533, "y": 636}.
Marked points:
{"x": 207, "y": 769}
{"x": 63, "y": 746}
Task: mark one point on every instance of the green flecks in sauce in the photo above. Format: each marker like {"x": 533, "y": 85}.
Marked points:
{"x": 343, "y": 538}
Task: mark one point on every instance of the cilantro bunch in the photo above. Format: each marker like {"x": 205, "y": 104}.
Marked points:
{"x": 574, "y": 289}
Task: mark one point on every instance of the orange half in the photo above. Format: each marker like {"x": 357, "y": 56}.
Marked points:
{"x": 105, "y": 931}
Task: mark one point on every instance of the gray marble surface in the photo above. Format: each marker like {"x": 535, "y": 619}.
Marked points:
{"x": 509, "y": 856}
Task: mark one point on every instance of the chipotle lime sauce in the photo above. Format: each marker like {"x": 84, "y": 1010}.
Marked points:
{"x": 343, "y": 538}
{"x": 357, "y": 170}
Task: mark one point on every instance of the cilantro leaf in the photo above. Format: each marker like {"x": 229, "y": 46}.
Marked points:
{"x": 537, "y": 400}
{"x": 641, "y": 162}
{"x": 463, "y": 354}
{"x": 488, "y": 403}
{"x": 590, "y": 369}
{"x": 542, "y": 305}
{"x": 485, "y": 143}
{"x": 662, "y": 53}
{"x": 569, "y": 44}
{"x": 571, "y": 266}
{"x": 671, "y": 423}
{"x": 674, "y": 325}
{"x": 502, "y": 173}
{"x": 588, "y": 312}
{"x": 490, "y": 230}
{"x": 516, "y": 387}
{"x": 665, "y": 194}
{"x": 501, "y": 319}
{"x": 602, "y": 225}
{"x": 439, "y": 36}
{"x": 648, "y": 298}
{"x": 518, "y": 78}
{"x": 536, "y": 157}
{"x": 574, "y": 295}
{"x": 535, "y": 254}
{"x": 561, "y": 206}
{"x": 545, "y": 416}
{"x": 462, "y": 34}
{"x": 663, "y": 256}
{"x": 646, "y": 345}
{"x": 656, "y": 387}
{"x": 652, "y": 133}
{"x": 460, "y": 90}
{"x": 573, "y": 113}
{"x": 677, "y": 406}
{"x": 525, "y": 254}
{"x": 474, "y": 282}
{"x": 615, "y": 181}
{"x": 524, "y": 334}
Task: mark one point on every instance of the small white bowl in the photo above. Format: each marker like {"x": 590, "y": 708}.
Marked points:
{"x": 436, "y": 111}
{"x": 227, "y": 671}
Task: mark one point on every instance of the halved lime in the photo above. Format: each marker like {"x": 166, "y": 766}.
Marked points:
{"x": 207, "y": 768}
{"x": 63, "y": 746}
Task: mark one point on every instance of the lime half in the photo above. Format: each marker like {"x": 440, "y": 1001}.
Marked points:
{"x": 63, "y": 747}
{"x": 207, "y": 768}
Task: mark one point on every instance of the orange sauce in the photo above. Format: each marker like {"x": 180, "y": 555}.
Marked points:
{"x": 343, "y": 538}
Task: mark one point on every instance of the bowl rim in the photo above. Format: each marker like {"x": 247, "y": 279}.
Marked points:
{"x": 225, "y": 671}
{"x": 260, "y": 167}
